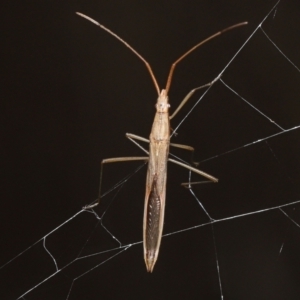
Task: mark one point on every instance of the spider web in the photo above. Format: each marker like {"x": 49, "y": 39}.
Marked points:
{"x": 235, "y": 239}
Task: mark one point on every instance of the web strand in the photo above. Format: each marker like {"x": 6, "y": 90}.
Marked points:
{"x": 113, "y": 193}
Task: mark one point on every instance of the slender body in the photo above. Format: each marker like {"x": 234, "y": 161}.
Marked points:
{"x": 158, "y": 155}
{"x": 155, "y": 198}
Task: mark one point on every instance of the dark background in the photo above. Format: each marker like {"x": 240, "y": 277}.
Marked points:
{"x": 69, "y": 94}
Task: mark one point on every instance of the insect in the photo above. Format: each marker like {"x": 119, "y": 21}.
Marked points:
{"x": 158, "y": 155}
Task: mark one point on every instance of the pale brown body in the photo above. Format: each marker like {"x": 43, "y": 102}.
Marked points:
{"x": 155, "y": 198}
{"x": 158, "y": 155}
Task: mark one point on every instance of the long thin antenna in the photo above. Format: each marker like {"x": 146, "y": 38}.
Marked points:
{"x": 195, "y": 47}
{"x": 144, "y": 60}
{"x": 127, "y": 45}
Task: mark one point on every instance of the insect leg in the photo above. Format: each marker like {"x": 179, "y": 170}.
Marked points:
{"x": 133, "y": 137}
{"x": 189, "y": 95}
{"x": 188, "y": 148}
{"x": 188, "y": 184}
{"x": 112, "y": 160}
{"x": 185, "y": 147}
{"x": 210, "y": 177}
{"x": 137, "y": 137}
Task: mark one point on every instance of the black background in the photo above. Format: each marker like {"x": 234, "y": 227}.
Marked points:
{"x": 69, "y": 94}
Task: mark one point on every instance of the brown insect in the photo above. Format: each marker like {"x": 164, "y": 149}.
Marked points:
{"x": 158, "y": 155}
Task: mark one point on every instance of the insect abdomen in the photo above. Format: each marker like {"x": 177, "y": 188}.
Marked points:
{"x": 153, "y": 218}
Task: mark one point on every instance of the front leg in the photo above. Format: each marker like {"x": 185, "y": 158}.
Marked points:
{"x": 189, "y": 95}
